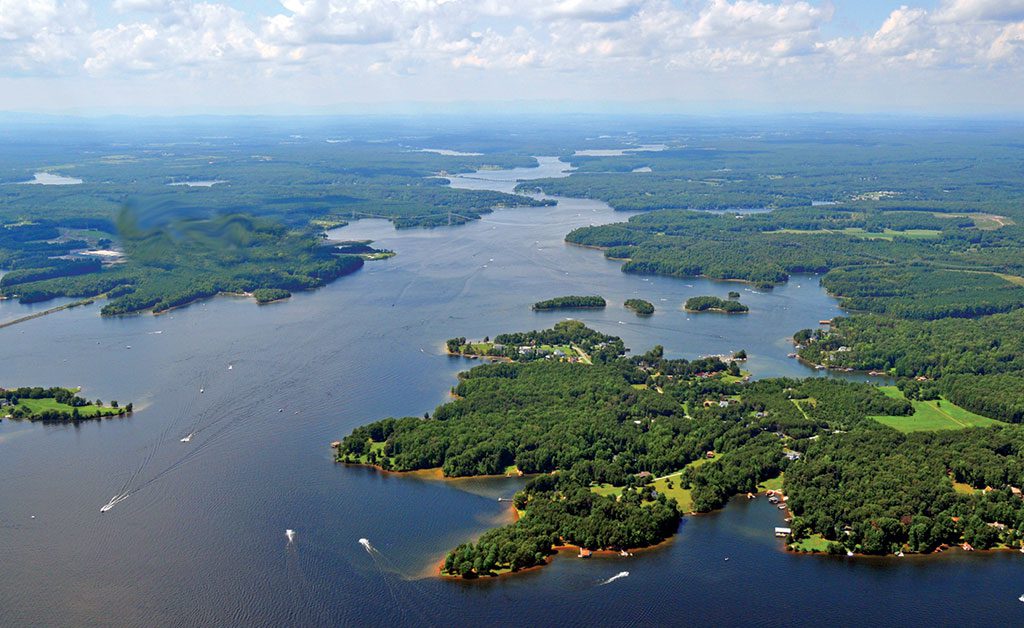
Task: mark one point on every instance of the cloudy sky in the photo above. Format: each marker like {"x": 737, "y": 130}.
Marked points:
{"x": 699, "y": 56}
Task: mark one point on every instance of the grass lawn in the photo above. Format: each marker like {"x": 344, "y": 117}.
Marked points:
{"x": 39, "y": 405}
{"x": 964, "y": 489}
{"x": 374, "y": 447}
{"x": 938, "y": 414}
{"x": 771, "y": 484}
{"x": 796, "y": 402}
{"x": 888, "y": 234}
{"x": 732, "y": 379}
{"x": 813, "y": 543}
{"x": 681, "y": 495}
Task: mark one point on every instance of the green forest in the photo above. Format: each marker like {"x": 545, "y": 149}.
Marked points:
{"x": 173, "y": 264}
{"x": 609, "y": 445}
{"x": 640, "y": 306}
{"x": 570, "y": 302}
{"x": 714, "y": 304}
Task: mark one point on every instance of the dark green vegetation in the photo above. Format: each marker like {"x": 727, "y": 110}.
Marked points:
{"x": 269, "y": 295}
{"x": 257, "y": 227}
{"x": 564, "y": 514}
{"x": 881, "y": 492}
{"x": 924, "y": 292}
{"x": 182, "y": 261}
{"x": 55, "y": 405}
{"x": 641, "y": 307}
{"x": 945, "y": 166}
{"x": 714, "y": 304}
{"x": 975, "y": 363}
{"x": 921, "y": 239}
{"x": 570, "y": 302}
{"x": 615, "y": 443}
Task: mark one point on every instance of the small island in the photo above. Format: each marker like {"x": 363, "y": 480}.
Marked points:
{"x": 640, "y": 307}
{"x": 714, "y": 304}
{"x": 571, "y": 302}
{"x": 55, "y": 405}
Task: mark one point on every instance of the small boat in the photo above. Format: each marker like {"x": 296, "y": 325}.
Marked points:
{"x": 188, "y": 439}
{"x": 280, "y": 409}
{"x": 849, "y": 553}
{"x": 116, "y": 499}
{"x": 290, "y": 535}
{"x": 1021, "y": 598}
{"x": 231, "y": 366}
{"x": 202, "y": 390}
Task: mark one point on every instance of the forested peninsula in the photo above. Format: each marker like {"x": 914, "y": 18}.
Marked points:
{"x": 213, "y": 219}
{"x": 618, "y": 449}
{"x": 172, "y": 264}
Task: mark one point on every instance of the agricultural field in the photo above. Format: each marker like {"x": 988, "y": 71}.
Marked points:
{"x": 938, "y": 414}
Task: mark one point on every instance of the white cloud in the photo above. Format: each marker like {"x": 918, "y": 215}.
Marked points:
{"x": 548, "y": 45}
{"x": 753, "y": 19}
{"x": 195, "y": 37}
{"x": 41, "y": 36}
{"x": 981, "y": 10}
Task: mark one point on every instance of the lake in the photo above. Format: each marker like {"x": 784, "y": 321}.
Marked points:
{"x": 50, "y": 178}
{"x": 201, "y": 537}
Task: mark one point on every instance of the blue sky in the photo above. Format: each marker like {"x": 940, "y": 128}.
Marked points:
{"x": 691, "y": 56}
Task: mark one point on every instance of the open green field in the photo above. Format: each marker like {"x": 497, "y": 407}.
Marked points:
{"x": 566, "y": 349}
{"x": 771, "y": 484}
{"x": 732, "y": 379}
{"x": 40, "y": 405}
{"x": 939, "y": 414}
{"x": 813, "y": 543}
{"x": 682, "y": 495}
{"x": 887, "y": 234}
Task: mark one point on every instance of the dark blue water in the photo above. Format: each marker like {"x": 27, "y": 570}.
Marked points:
{"x": 200, "y": 540}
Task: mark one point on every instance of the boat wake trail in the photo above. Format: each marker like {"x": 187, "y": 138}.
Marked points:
{"x": 621, "y": 574}
{"x": 370, "y": 549}
{"x": 115, "y": 500}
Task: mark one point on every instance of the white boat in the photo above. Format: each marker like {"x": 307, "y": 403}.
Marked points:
{"x": 188, "y": 439}
{"x": 202, "y": 390}
{"x": 1021, "y": 598}
{"x": 230, "y": 366}
{"x": 115, "y": 500}
{"x": 290, "y": 535}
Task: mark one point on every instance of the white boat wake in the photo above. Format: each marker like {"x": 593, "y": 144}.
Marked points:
{"x": 621, "y": 574}
{"x": 370, "y": 549}
{"x": 115, "y": 500}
